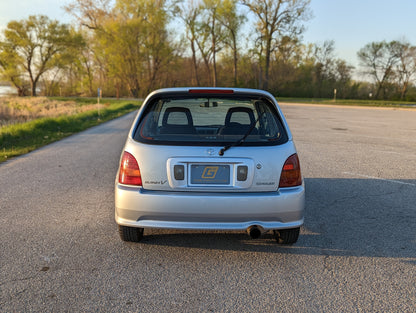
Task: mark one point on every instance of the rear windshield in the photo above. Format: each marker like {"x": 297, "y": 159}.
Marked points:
{"x": 210, "y": 121}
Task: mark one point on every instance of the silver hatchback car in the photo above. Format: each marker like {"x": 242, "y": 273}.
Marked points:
{"x": 210, "y": 159}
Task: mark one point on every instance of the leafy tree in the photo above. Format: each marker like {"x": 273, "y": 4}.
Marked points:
{"x": 65, "y": 68}
{"x": 32, "y": 47}
{"x": 120, "y": 45}
{"x": 130, "y": 40}
{"x": 144, "y": 37}
{"x": 88, "y": 67}
{"x": 11, "y": 69}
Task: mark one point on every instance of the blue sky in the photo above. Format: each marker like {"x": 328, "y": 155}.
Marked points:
{"x": 350, "y": 23}
{"x": 21, "y": 9}
{"x": 354, "y": 23}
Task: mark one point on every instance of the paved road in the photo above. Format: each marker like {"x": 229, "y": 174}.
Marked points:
{"x": 60, "y": 251}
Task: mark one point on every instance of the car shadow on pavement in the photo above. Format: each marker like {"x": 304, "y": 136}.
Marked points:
{"x": 343, "y": 217}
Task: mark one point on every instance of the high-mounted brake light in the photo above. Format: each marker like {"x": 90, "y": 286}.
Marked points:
{"x": 216, "y": 91}
{"x": 291, "y": 175}
{"x": 129, "y": 173}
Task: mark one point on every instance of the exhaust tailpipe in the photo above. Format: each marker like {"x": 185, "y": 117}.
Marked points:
{"x": 254, "y": 232}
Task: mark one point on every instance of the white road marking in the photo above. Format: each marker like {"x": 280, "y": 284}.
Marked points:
{"x": 382, "y": 179}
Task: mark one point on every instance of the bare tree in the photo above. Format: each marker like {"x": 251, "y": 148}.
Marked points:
{"x": 89, "y": 13}
{"x": 325, "y": 63}
{"x": 232, "y": 22}
{"x": 378, "y": 60}
{"x": 214, "y": 30}
{"x": 277, "y": 18}
{"x": 189, "y": 13}
{"x": 342, "y": 77}
{"x": 406, "y": 66}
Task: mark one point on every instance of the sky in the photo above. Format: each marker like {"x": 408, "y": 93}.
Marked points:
{"x": 354, "y": 23}
{"x": 350, "y": 23}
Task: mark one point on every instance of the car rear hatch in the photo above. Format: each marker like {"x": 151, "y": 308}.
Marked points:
{"x": 169, "y": 168}
{"x": 211, "y": 140}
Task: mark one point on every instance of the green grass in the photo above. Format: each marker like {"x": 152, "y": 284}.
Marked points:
{"x": 18, "y": 139}
{"x": 369, "y": 103}
{"x": 81, "y": 100}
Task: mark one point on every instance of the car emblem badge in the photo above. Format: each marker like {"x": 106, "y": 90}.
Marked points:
{"x": 210, "y": 151}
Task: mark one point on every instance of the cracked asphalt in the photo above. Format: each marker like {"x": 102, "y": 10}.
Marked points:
{"x": 60, "y": 251}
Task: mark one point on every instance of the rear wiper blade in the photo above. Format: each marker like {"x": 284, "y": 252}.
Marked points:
{"x": 242, "y": 139}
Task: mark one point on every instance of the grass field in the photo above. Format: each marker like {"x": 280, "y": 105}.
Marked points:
{"x": 31, "y": 123}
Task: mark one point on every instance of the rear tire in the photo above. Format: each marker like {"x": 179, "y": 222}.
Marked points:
{"x": 130, "y": 233}
{"x": 287, "y": 236}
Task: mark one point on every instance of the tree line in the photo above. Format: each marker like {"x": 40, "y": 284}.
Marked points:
{"x": 129, "y": 48}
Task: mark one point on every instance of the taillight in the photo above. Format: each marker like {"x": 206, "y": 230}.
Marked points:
{"x": 129, "y": 173}
{"x": 291, "y": 175}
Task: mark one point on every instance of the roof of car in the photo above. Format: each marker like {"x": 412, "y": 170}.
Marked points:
{"x": 212, "y": 90}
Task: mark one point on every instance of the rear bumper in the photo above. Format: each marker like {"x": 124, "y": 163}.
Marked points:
{"x": 137, "y": 207}
{"x": 209, "y": 226}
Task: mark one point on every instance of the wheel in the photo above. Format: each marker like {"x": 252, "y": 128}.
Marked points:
{"x": 130, "y": 233}
{"x": 287, "y": 236}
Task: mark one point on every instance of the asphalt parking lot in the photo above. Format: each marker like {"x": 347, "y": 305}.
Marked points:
{"x": 60, "y": 251}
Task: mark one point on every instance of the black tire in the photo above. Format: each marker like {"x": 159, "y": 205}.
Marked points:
{"x": 130, "y": 233}
{"x": 287, "y": 236}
